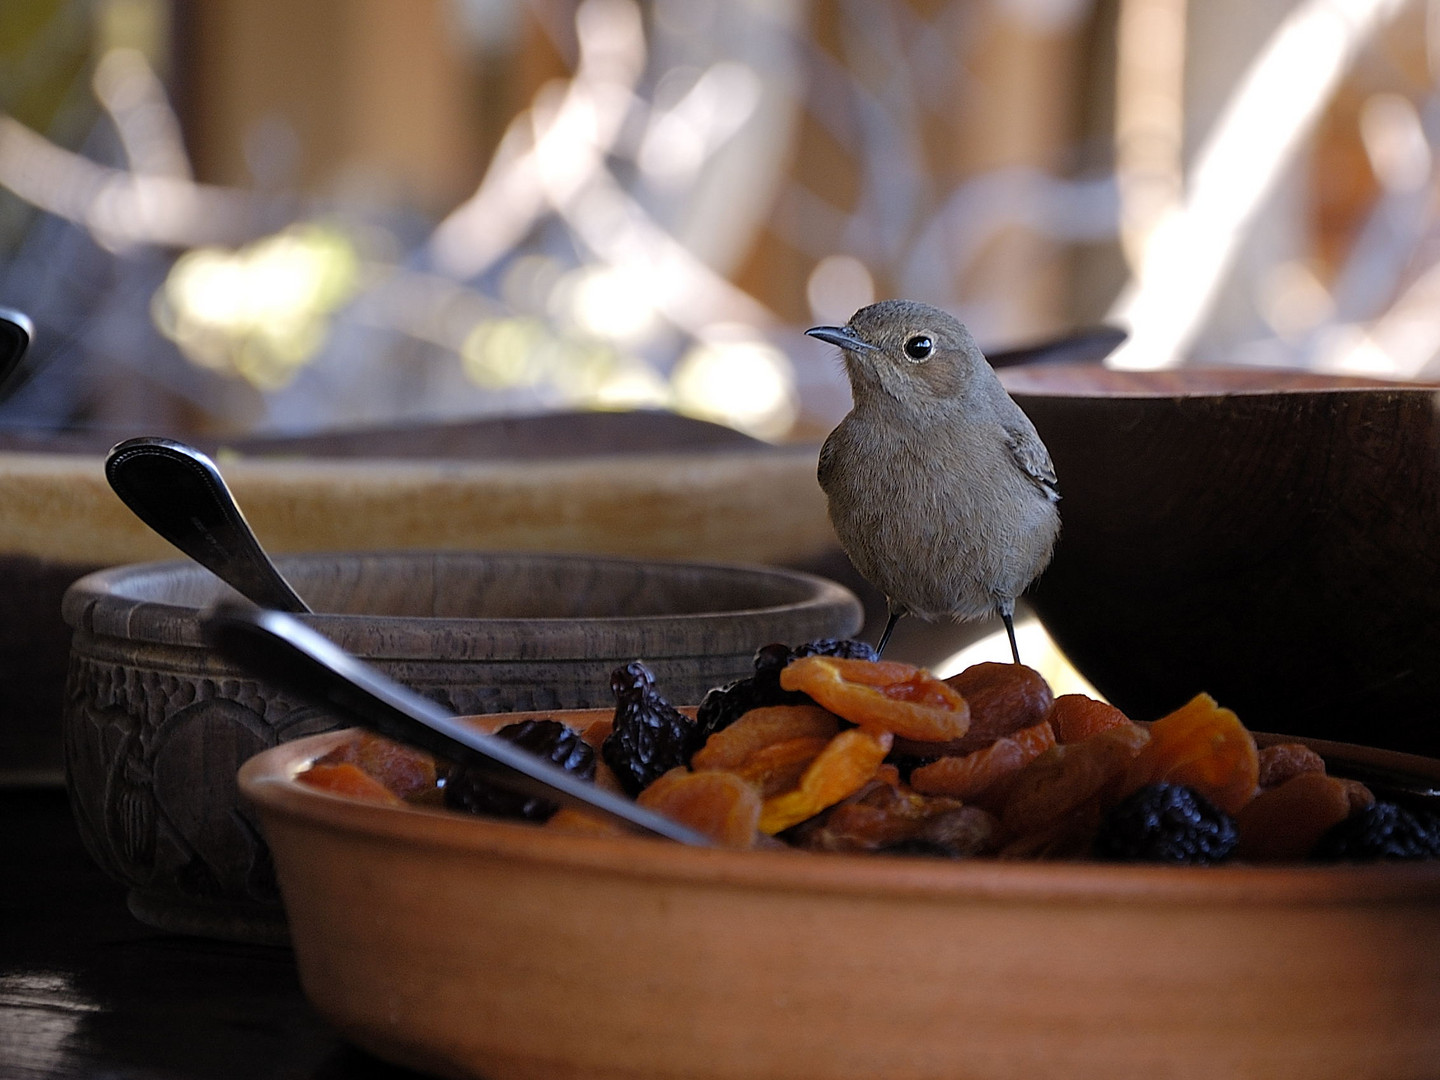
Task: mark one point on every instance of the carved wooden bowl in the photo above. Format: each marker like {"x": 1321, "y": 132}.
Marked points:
{"x": 1272, "y": 538}
{"x": 156, "y": 724}
{"x": 479, "y": 948}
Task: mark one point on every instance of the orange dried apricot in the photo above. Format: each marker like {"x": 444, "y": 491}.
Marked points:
{"x": 717, "y": 804}
{"x": 1075, "y": 717}
{"x": 1003, "y": 698}
{"x": 403, "y": 770}
{"x": 882, "y": 813}
{"x": 732, "y": 745}
{"x": 847, "y": 763}
{"x": 1066, "y": 777}
{"x": 1281, "y": 761}
{"x": 1284, "y": 822}
{"x": 884, "y": 694}
{"x": 969, "y": 776}
{"x": 779, "y": 766}
{"x": 347, "y": 778}
{"x": 1203, "y": 746}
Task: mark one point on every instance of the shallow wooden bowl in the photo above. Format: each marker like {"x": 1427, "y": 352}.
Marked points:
{"x": 1268, "y": 537}
{"x": 478, "y": 948}
{"x": 156, "y": 724}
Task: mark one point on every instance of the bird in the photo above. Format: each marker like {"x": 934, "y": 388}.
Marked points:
{"x": 938, "y": 486}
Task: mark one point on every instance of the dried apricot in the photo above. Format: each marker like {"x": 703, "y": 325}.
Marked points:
{"x": 403, "y": 770}
{"x": 1203, "y": 746}
{"x": 1078, "y": 716}
{"x": 1281, "y": 761}
{"x": 732, "y": 745}
{"x": 718, "y": 804}
{"x": 847, "y": 763}
{"x": 881, "y": 814}
{"x": 779, "y": 766}
{"x": 1066, "y": 777}
{"x": 883, "y": 694}
{"x": 969, "y": 776}
{"x": 1003, "y": 698}
{"x": 346, "y": 778}
{"x": 1284, "y": 822}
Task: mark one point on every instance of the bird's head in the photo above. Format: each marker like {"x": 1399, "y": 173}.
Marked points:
{"x": 909, "y": 351}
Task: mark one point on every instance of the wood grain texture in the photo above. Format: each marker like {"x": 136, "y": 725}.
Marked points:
{"x": 1276, "y": 548}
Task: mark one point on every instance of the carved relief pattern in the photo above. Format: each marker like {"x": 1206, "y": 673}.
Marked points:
{"x": 141, "y": 745}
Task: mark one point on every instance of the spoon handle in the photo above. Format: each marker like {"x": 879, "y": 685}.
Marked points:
{"x": 291, "y": 654}
{"x": 178, "y": 492}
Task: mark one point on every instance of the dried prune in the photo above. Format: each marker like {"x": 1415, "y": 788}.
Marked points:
{"x": 650, "y": 736}
{"x": 1165, "y": 823}
{"x": 1383, "y": 830}
{"x": 469, "y": 789}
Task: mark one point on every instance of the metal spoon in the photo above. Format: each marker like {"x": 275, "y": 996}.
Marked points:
{"x": 178, "y": 492}
{"x": 285, "y": 651}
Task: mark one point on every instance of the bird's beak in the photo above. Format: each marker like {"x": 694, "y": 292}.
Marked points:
{"x": 839, "y": 335}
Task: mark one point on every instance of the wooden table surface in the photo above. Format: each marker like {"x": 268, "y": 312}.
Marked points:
{"x": 87, "y": 991}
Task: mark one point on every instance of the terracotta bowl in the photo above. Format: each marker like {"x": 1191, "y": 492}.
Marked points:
{"x": 156, "y": 725}
{"x": 1268, "y": 537}
{"x": 479, "y": 948}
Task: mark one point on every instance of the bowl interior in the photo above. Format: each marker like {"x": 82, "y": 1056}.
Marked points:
{"x": 459, "y": 585}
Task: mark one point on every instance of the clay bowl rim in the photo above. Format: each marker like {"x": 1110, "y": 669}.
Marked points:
{"x": 1092, "y": 381}
{"x": 99, "y": 604}
{"x": 268, "y": 782}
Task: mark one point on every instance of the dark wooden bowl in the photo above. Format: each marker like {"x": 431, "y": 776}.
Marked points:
{"x": 156, "y": 725}
{"x": 1272, "y": 538}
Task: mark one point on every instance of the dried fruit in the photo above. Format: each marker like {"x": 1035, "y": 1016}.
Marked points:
{"x": 470, "y": 789}
{"x": 1165, "y": 823}
{"x": 717, "y": 804}
{"x": 970, "y": 776}
{"x": 1381, "y": 831}
{"x": 846, "y": 764}
{"x": 1065, "y": 778}
{"x": 1203, "y": 746}
{"x": 1286, "y": 821}
{"x": 406, "y": 772}
{"x": 722, "y": 706}
{"x": 883, "y": 694}
{"x": 1003, "y": 699}
{"x": 1280, "y": 762}
{"x": 649, "y": 736}
{"x": 760, "y": 727}
{"x": 880, "y": 815}
{"x": 1075, "y": 717}
{"x": 346, "y": 778}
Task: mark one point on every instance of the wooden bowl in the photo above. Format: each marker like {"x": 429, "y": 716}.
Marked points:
{"x": 478, "y": 948}
{"x": 156, "y": 724}
{"x": 1268, "y": 537}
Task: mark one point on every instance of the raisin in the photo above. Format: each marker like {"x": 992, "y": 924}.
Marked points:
{"x": 470, "y": 790}
{"x": 650, "y": 736}
{"x": 842, "y": 648}
{"x": 1382, "y": 830}
{"x": 1165, "y": 823}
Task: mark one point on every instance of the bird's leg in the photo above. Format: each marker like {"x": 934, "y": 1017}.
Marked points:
{"x": 1010, "y": 630}
{"x": 1006, "y": 607}
{"x": 889, "y": 626}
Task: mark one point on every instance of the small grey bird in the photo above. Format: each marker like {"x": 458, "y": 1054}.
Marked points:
{"x": 939, "y": 487}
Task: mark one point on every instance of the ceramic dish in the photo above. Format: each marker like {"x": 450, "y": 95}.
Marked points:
{"x": 477, "y": 948}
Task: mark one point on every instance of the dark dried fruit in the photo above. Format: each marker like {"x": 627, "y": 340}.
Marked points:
{"x": 1381, "y": 831}
{"x": 650, "y": 736}
{"x": 726, "y": 704}
{"x": 470, "y": 790}
{"x": 1165, "y": 823}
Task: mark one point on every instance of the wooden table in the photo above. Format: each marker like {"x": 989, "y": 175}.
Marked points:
{"x": 87, "y": 991}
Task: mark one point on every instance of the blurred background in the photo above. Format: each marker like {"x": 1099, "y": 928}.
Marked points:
{"x": 257, "y": 216}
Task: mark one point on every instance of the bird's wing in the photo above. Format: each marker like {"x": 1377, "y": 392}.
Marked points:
{"x": 1033, "y": 459}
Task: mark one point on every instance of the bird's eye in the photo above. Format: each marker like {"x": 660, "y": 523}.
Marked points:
{"x": 919, "y": 347}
